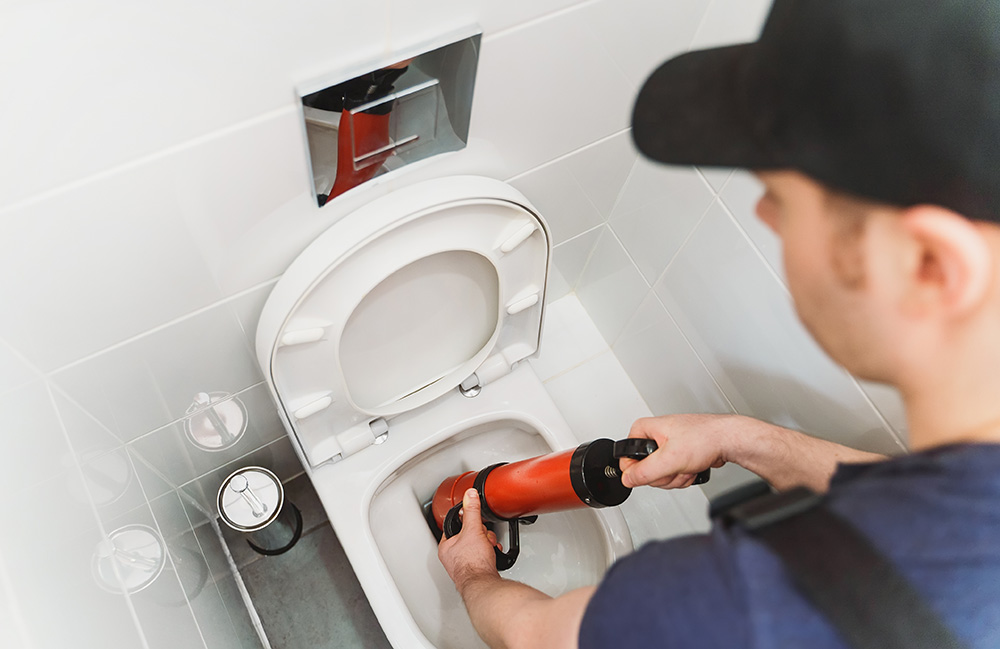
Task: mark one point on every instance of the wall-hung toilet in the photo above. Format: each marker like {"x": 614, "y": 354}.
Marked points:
{"x": 394, "y": 348}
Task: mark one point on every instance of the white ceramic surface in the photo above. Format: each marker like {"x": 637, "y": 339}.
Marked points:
{"x": 652, "y": 233}
{"x": 611, "y": 287}
{"x": 408, "y": 589}
{"x": 731, "y": 21}
{"x": 740, "y": 196}
{"x": 665, "y": 369}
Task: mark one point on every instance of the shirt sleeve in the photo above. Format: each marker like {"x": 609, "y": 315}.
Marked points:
{"x": 683, "y": 593}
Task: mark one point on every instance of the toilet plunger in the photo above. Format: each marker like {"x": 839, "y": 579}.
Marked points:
{"x": 515, "y": 493}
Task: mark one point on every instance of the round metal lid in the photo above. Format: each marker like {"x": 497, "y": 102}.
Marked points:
{"x": 250, "y": 498}
{"x": 130, "y": 559}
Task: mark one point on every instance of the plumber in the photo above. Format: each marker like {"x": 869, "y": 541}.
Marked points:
{"x": 874, "y": 126}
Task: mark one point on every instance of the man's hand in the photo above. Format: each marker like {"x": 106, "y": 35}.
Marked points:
{"x": 688, "y": 444}
{"x": 469, "y": 554}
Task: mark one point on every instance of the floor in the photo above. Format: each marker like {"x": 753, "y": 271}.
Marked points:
{"x": 310, "y": 598}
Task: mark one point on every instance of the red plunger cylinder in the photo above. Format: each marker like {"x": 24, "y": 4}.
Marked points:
{"x": 587, "y": 476}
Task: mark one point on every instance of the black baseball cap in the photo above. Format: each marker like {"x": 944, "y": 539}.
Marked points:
{"x": 892, "y": 100}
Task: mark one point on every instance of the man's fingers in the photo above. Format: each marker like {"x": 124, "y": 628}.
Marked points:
{"x": 470, "y": 508}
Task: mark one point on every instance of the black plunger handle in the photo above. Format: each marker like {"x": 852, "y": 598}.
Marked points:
{"x": 638, "y": 448}
{"x": 504, "y": 560}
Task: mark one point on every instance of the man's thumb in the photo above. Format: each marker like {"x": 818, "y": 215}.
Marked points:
{"x": 470, "y": 509}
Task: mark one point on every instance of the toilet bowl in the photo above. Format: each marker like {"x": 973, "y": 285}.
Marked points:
{"x": 395, "y": 348}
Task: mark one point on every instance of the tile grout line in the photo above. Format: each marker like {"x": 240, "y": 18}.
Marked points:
{"x": 258, "y": 625}
{"x": 123, "y": 167}
{"x": 93, "y": 511}
{"x": 161, "y": 327}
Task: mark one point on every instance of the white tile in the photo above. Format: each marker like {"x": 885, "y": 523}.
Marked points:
{"x": 137, "y": 88}
{"x": 654, "y": 232}
{"x": 571, "y": 257}
{"x": 716, "y": 176}
{"x": 569, "y": 338}
{"x": 49, "y": 570}
{"x": 154, "y": 380}
{"x": 532, "y": 118}
{"x": 172, "y": 452}
{"x": 664, "y": 367}
{"x": 34, "y": 445}
{"x": 741, "y": 195}
{"x": 731, "y": 21}
{"x": 92, "y": 266}
{"x": 423, "y": 20}
{"x": 602, "y": 169}
{"x": 560, "y": 199}
{"x": 640, "y": 35}
{"x": 247, "y": 308}
{"x": 163, "y": 608}
{"x": 740, "y": 321}
{"x": 889, "y": 402}
{"x": 13, "y": 632}
{"x": 611, "y": 287}
{"x": 597, "y": 399}
{"x": 14, "y": 371}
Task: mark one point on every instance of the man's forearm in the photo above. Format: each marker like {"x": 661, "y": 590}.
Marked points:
{"x": 513, "y": 615}
{"x": 787, "y": 458}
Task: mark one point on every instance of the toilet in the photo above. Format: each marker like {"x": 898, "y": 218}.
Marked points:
{"x": 395, "y": 348}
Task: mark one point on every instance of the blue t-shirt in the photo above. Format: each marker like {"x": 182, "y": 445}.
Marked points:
{"x": 935, "y": 515}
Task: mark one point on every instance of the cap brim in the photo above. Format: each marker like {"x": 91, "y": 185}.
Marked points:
{"x": 699, "y": 109}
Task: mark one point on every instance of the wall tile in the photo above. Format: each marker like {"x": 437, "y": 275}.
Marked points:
{"x": 33, "y": 443}
{"x": 13, "y": 633}
{"x": 560, "y": 199}
{"x": 571, "y": 257}
{"x": 602, "y": 168}
{"x": 731, "y": 21}
{"x": 889, "y": 402}
{"x": 278, "y": 456}
{"x": 425, "y": 20}
{"x": 741, "y": 323}
{"x": 14, "y": 372}
{"x": 247, "y": 308}
{"x": 597, "y": 398}
{"x": 669, "y": 209}
{"x": 534, "y": 118}
{"x": 717, "y": 177}
{"x": 137, "y": 88}
{"x": 163, "y": 608}
{"x": 663, "y": 366}
{"x": 611, "y": 287}
{"x": 154, "y": 380}
{"x": 639, "y": 36}
{"x": 569, "y": 338}
{"x": 173, "y": 453}
{"x": 741, "y": 195}
{"x": 160, "y": 240}
{"x": 48, "y": 547}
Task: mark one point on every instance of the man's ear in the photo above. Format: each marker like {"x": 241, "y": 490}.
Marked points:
{"x": 951, "y": 268}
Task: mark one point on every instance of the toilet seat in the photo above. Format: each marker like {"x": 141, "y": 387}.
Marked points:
{"x": 398, "y": 303}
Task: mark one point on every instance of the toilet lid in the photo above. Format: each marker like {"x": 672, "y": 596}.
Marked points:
{"x": 398, "y": 303}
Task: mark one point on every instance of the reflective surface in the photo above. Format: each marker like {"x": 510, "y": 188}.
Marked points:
{"x": 381, "y": 120}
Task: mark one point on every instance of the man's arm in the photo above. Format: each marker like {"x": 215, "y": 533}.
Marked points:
{"x": 505, "y": 613}
{"x": 689, "y": 444}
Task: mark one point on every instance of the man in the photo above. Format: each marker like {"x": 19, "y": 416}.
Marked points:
{"x": 875, "y": 128}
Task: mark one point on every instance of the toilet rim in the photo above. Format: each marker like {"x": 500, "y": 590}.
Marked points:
{"x": 360, "y": 543}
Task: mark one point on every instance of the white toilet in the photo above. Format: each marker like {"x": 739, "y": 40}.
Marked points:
{"x": 394, "y": 348}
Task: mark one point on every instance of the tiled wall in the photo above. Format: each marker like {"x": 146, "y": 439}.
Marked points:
{"x": 154, "y": 187}
{"x": 687, "y": 286}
